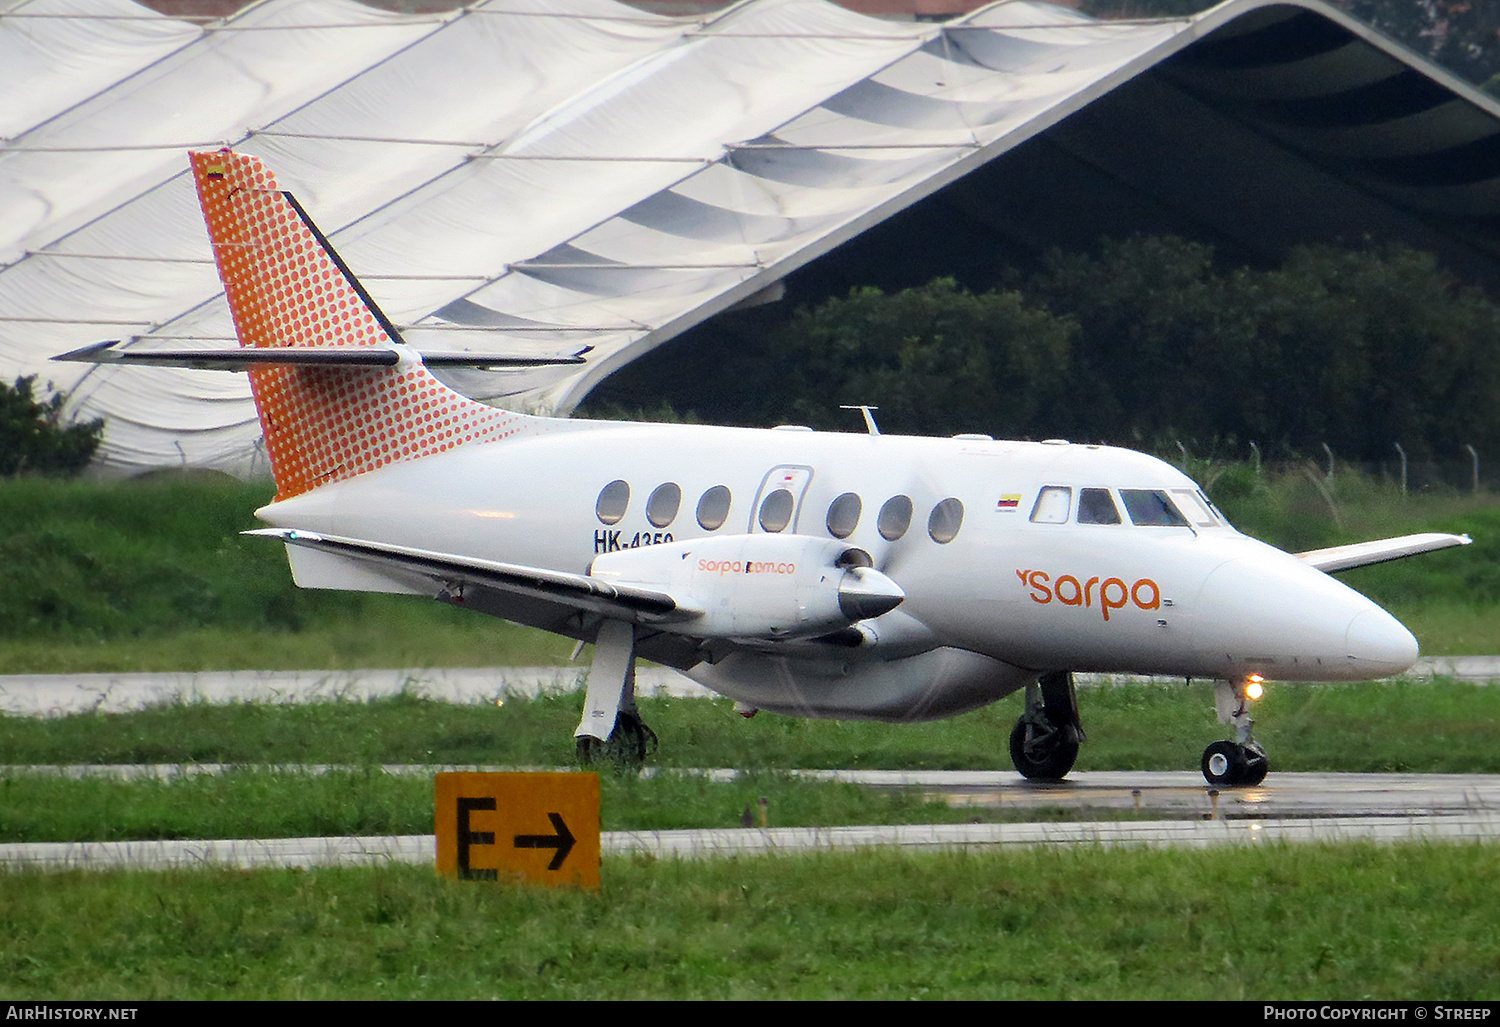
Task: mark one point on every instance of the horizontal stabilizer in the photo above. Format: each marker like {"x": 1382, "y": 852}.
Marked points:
{"x": 616, "y": 600}
{"x": 1362, "y": 554}
{"x": 244, "y": 358}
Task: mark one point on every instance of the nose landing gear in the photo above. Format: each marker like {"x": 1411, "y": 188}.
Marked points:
{"x": 1241, "y": 762}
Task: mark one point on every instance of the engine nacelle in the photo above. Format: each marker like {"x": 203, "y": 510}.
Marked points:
{"x": 759, "y": 586}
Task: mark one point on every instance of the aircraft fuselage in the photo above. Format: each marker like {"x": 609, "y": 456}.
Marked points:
{"x": 1024, "y": 573}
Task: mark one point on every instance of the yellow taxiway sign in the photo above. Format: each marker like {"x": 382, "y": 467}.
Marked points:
{"x": 542, "y": 827}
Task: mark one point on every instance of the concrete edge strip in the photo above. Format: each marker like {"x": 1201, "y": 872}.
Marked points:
{"x": 696, "y": 844}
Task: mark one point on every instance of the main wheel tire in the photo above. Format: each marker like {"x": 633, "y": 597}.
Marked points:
{"x": 1224, "y": 764}
{"x": 627, "y": 748}
{"x": 1049, "y": 759}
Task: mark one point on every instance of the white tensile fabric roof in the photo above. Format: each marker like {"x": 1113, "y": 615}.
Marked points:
{"x": 530, "y": 177}
{"x": 518, "y": 176}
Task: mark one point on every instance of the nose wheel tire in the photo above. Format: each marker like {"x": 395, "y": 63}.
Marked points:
{"x": 1047, "y": 755}
{"x": 1229, "y": 765}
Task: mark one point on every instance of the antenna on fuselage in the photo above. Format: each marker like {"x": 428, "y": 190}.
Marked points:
{"x": 869, "y": 413}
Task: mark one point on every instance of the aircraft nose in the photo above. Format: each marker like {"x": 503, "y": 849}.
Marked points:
{"x": 1379, "y": 642}
{"x": 1274, "y": 615}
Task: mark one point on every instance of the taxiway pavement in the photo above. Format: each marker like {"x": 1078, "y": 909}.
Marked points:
{"x": 1174, "y": 809}
{"x": 1158, "y": 808}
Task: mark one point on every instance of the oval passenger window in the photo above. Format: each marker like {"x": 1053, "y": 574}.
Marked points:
{"x": 613, "y": 499}
{"x": 713, "y": 508}
{"x": 895, "y": 518}
{"x": 661, "y": 508}
{"x": 776, "y": 510}
{"x": 947, "y": 517}
{"x": 843, "y": 515}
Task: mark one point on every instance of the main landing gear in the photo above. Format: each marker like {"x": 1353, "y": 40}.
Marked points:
{"x": 1241, "y": 762}
{"x": 612, "y": 730}
{"x": 1044, "y": 744}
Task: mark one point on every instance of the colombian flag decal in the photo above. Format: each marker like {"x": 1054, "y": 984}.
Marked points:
{"x": 1009, "y": 502}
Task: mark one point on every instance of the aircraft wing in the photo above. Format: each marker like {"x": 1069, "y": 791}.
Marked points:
{"x": 577, "y": 591}
{"x": 1362, "y": 554}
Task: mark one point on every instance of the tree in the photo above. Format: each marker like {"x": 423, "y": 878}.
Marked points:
{"x": 34, "y": 437}
{"x": 1458, "y": 34}
{"x": 1162, "y": 348}
{"x": 936, "y": 359}
{"x": 1461, "y": 35}
{"x": 1356, "y": 347}
{"x": 1385, "y": 346}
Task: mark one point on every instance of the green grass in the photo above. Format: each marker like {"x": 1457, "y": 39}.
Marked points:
{"x": 1398, "y": 922}
{"x": 1439, "y": 726}
{"x": 262, "y": 803}
{"x": 397, "y": 632}
{"x": 153, "y": 574}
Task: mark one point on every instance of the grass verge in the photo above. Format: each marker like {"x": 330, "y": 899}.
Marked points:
{"x": 1348, "y": 922}
{"x": 254, "y": 803}
{"x": 1438, "y": 726}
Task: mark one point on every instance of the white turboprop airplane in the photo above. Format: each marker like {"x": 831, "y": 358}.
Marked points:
{"x": 813, "y": 574}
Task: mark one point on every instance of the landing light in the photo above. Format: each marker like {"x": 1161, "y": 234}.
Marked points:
{"x": 1253, "y": 687}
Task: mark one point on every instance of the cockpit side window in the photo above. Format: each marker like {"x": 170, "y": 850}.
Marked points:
{"x": 1152, "y": 507}
{"x": 1053, "y": 504}
{"x": 1196, "y": 506}
{"x": 1213, "y": 507}
{"x": 1097, "y": 506}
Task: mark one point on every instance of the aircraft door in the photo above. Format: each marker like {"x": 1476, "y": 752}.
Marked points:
{"x": 778, "y": 503}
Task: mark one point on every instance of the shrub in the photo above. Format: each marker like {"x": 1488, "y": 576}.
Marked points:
{"x": 34, "y": 436}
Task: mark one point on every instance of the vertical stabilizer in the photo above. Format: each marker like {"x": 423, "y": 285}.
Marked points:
{"x": 287, "y": 287}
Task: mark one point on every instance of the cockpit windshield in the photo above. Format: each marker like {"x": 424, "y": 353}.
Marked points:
{"x": 1176, "y": 508}
{"x": 1152, "y": 507}
{"x": 1096, "y": 506}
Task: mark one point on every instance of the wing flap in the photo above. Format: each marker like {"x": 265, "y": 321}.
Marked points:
{"x": 579, "y": 591}
{"x": 1363, "y": 554}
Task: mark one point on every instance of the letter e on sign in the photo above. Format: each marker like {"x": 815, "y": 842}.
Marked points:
{"x": 541, "y": 827}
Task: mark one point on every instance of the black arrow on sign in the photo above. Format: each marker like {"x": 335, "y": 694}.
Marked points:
{"x": 562, "y": 841}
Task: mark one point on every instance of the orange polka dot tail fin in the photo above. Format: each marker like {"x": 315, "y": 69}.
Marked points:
{"x": 287, "y": 288}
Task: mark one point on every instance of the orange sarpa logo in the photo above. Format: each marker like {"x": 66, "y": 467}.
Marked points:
{"x": 1112, "y": 593}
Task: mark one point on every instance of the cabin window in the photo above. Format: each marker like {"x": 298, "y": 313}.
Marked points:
{"x": 713, "y": 508}
{"x": 895, "y": 518}
{"x": 613, "y": 499}
{"x": 1195, "y": 505}
{"x": 843, "y": 515}
{"x": 1052, "y": 505}
{"x": 1097, "y": 506}
{"x": 661, "y": 507}
{"x": 776, "y": 511}
{"x": 1152, "y": 507}
{"x": 947, "y": 517}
